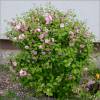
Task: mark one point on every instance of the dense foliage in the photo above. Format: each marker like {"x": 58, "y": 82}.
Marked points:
{"x": 55, "y": 47}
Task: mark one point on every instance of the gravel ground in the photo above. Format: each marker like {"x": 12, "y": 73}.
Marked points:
{"x": 7, "y": 84}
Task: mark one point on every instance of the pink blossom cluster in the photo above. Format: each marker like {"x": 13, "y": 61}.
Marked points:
{"x": 19, "y": 26}
{"x": 48, "y": 19}
{"x": 23, "y": 73}
{"x": 22, "y": 27}
{"x": 43, "y": 35}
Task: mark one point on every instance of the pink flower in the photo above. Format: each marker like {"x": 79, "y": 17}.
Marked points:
{"x": 38, "y": 30}
{"x": 22, "y": 73}
{"x": 48, "y": 19}
{"x": 18, "y": 27}
{"x": 21, "y": 27}
{"x": 41, "y": 36}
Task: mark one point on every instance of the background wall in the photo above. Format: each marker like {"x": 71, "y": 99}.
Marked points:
{"x": 88, "y": 11}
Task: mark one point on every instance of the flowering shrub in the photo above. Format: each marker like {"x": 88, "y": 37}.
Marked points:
{"x": 55, "y": 47}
